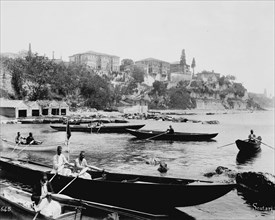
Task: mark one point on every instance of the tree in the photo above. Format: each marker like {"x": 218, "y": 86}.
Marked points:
{"x": 138, "y": 74}
{"x": 159, "y": 88}
{"x": 96, "y": 91}
{"x": 193, "y": 65}
{"x": 126, "y": 62}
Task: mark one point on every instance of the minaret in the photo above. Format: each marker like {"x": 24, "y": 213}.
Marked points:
{"x": 53, "y": 55}
{"x": 30, "y": 50}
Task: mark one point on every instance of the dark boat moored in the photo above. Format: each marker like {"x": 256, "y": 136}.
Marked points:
{"x": 79, "y": 128}
{"x": 116, "y": 128}
{"x": 248, "y": 146}
{"x": 177, "y": 136}
{"x": 138, "y": 193}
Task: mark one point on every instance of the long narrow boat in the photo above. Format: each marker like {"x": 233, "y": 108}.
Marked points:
{"x": 248, "y": 146}
{"x": 39, "y": 147}
{"x": 80, "y": 128}
{"x": 20, "y": 203}
{"x": 116, "y": 128}
{"x": 125, "y": 191}
{"x": 177, "y": 136}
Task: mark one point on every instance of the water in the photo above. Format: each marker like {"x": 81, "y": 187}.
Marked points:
{"x": 122, "y": 153}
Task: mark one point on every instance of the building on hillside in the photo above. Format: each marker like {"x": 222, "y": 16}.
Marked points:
{"x": 207, "y": 76}
{"x": 154, "y": 68}
{"x": 179, "y": 71}
{"x": 97, "y": 61}
{"x": 134, "y": 104}
{"x": 20, "y": 108}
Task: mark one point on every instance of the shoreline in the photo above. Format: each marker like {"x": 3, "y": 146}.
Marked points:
{"x": 102, "y": 114}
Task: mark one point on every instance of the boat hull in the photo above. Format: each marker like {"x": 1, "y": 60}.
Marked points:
{"x": 115, "y": 128}
{"x": 133, "y": 192}
{"x": 20, "y": 204}
{"x": 177, "y": 136}
{"x": 39, "y": 147}
{"x": 248, "y": 147}
{"x": 78, "y": 128}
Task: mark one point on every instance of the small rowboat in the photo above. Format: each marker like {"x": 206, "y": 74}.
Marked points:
{"x": 177, "y": 136}
{"x": 26, "y": 147}
{"x": 248, "y": 146}
{"x": 20, "y": 205}
{"x": 116, "y": 128}
{"x": 134, "y": 192}
{"x": 79, "y": 128}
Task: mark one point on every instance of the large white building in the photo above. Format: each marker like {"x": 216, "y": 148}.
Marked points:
{"x": 97, "y": 61}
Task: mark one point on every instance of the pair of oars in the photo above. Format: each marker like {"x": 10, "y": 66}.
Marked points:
{"x": 158, "y": 135}
{"x": 81, "y": 173}
{"x": 246, "y": 140}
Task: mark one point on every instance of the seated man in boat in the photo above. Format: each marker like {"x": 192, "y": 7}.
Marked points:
{"x": 252, "y": 136}
{"x": 42, "y": 198}
{"x": 19, "y": 139}
{"x": 170, "y": 130}
{"x": 79, "y": 164}
{"x": 30, "y": 140}
{"x": 59, "y": 161}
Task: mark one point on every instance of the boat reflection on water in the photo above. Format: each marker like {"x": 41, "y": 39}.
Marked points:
{"x": 247, "y": 157}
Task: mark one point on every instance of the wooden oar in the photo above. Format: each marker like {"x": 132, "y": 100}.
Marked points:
{"x": 229, "y": 144}
{"x": 267, "y": 145}
{"x": 158, "y": 135}
{"x": 96, "y": 168}
{"x": 81, "y": 172}
{"x": 23, "y": 148}
{"x": 15, "y": 147}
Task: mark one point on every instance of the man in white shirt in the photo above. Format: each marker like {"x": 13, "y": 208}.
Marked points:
{"x": 59, "y": 161}
{"x": 79, "y": 164}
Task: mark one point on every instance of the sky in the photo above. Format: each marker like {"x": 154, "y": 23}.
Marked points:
{"x": 229, "y": 37}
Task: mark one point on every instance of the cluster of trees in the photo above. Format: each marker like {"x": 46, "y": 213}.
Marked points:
{"x": 175, "y": 97}
{"x": 37, "y": 77}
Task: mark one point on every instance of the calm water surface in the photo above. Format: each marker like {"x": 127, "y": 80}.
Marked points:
{"x": 122, "y": 153}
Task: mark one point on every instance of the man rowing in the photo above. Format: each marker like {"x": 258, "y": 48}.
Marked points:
{"x": 19, "y": 139}
{"x": 252, "y": 136}
{"x": 79, "y": 164}
{"x": 59, "y": 162}
{"x": 42, "y": 199}
{"x": 170, "y": 130}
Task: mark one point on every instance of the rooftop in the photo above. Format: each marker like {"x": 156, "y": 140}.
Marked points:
{"x": 95, "y": 53}
{"x": 153, "y": 59}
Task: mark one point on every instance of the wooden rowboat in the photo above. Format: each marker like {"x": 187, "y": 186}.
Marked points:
{"x": 80, "y": 128}
{"x": 248, "y": 146}
{"x": 177, "y": 136}
{"x": 137, "y": 193}
{"x": 39, "y": 147}
{"x": 20, "y": 204}
{"x": 116, "y": 128}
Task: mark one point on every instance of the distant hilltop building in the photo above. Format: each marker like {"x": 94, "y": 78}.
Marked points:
{"x": 97, "y": 61}
{"x": 179, "y": 71}
{"x": 154, "y": 70}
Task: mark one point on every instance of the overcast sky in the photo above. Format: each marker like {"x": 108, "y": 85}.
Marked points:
{"x": 235, "y": 38}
